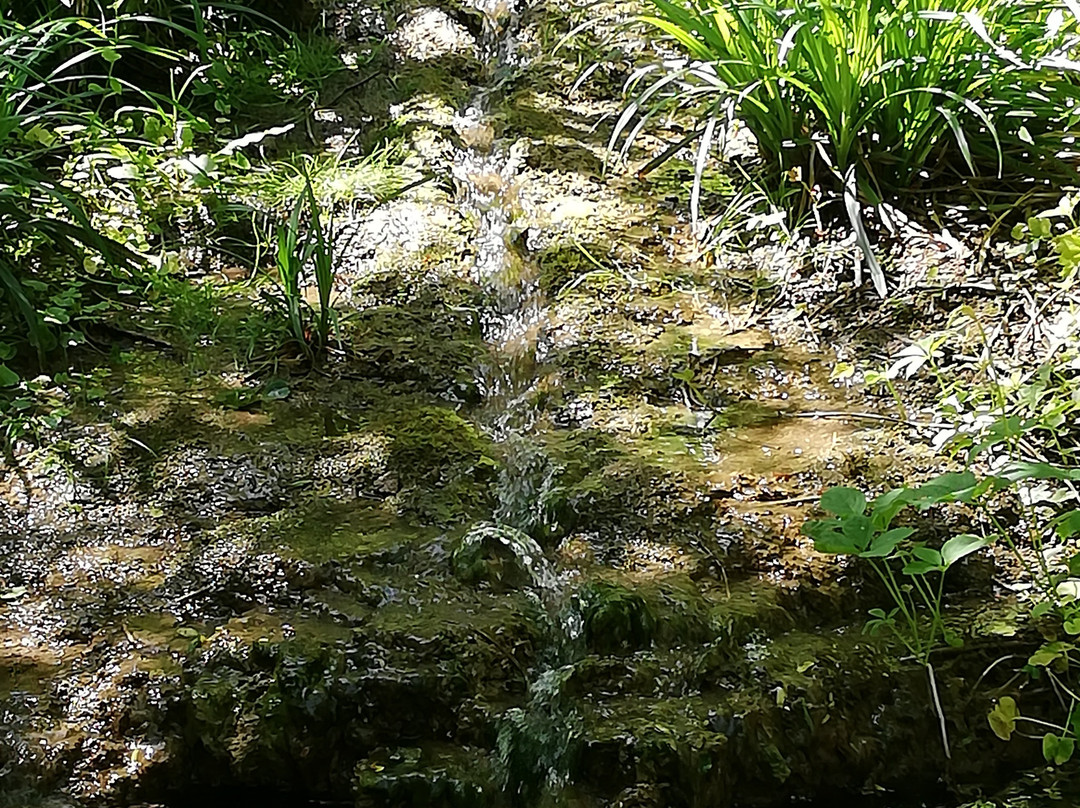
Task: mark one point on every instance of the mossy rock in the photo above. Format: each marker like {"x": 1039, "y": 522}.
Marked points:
{"x": 419, "y": 337}
{"x": 436, "y": 776}
{"x": 615, "y": 619}
{"x": 442, "y": 464}
{"x": 502, "y": 557}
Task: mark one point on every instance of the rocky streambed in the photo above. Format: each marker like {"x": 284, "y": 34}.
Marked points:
{"x": 534, "y": 542}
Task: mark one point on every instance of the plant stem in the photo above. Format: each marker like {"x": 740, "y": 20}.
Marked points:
{"x": 937, "y": 708}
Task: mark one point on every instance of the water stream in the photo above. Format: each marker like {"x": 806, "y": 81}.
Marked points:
{"x": 534, "y": 740}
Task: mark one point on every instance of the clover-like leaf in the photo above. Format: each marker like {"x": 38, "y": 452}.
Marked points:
{"x": 1050, "y": 653}
{"x": 1057, "y": 749}
{"x": 923, "y": 560}
{"x": 1002, "y": 718}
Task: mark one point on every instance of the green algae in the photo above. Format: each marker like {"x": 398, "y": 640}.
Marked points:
{"x": 615, "y": 618}
{"x": 418, "y": 339}
{"x": 333, "y": 530}
{"x": 441, "y": 460}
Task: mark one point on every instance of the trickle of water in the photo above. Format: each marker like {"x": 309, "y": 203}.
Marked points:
{"x": 522, "y": 546}
{"x": 534, "y": 740}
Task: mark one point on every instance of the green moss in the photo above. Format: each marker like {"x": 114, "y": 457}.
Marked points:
{"x": 440, "y": 776}
{"x": 563, "y": 264}
{"x": 418, "y": 339}
{"x": 331, "y": 530}
{"x": 442, "y": 463}
{"x": 501, "y": 557}
{"x": 615, "y": 618}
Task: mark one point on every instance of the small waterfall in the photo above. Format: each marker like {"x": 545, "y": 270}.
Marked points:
{"x": 535, "y": 741}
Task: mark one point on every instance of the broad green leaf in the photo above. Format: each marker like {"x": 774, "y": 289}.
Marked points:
{"x": 1057, "y": 749}
{"x": 885, "y": 543}
{"x": 1042, "y": 608}
{"x": 1074, "y": 564}
{"x": 1068, "y": 525}
{"x": 959, "y": 546}
{"x": 1003, "y": 717}
{"x": 927, "y": 554}
{"x": 950, "y": 487}
{"x": 828, "y": 537}
{"x": 844, "y": 501}
{"x": 8, "y": 377}
{"x": 859, "y": 530}
{"x": 1050, "y": 653}
{"x": 888, "y": 505}
{"x": 919, "y": 568}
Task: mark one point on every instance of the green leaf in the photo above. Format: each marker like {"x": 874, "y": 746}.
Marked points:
{"x": 858, "y": 529}
{"x": 927, "y": 554}
{"x": 1042, "y": 608}
{"x": 1057, "y": 749}
{"x": 959, "y": 546}
{"x": 1050, "y": 653}
{"x": 828, "y": 538}
{"x": 950, "y": 487}
{"x": 1067, "y": 525}
{"x": 1003, "y": 717}
{"x": 844, "y": 501}
{"x": 889, "y": 504}
{"x": 1025, "y": 470}
{"x": 920, "y": 567}
{"x": 8, "y": 377}
{"x": 885, "y": 543}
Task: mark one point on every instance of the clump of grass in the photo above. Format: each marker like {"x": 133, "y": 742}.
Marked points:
{"x": 302, "y": 251}
{"x": 861, "y": 97}
{"x": 332, "y": 178}
{"x": 44, "y": 83}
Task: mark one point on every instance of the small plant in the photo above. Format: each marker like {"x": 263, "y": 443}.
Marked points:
{"x": 912, "y": 572}
{"x": 300, "y": 250}
{"x": 1057, "y": 228}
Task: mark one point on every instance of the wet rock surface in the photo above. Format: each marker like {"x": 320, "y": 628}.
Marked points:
{"x": 535, "y": 542}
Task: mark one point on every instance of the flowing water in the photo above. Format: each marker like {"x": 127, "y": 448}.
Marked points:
{"x": 517, "y": 332}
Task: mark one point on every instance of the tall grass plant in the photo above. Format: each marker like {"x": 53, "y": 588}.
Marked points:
{"x": 865, "y": 98}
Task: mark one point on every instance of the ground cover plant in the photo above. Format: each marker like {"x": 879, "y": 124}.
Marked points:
{"x": 128, "y": 131}
{"x": 869, "y": 107}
